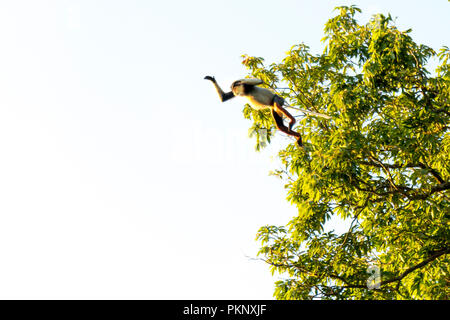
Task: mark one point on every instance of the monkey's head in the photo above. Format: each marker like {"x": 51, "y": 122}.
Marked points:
{"x": 238, "y": 88}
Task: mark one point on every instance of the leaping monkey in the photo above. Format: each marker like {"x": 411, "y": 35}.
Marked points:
{"x": 260, "y": 98}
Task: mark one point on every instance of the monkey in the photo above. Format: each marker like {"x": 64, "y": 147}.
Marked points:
{"x": 260, "y": 98}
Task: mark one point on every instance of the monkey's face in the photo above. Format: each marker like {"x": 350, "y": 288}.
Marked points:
{"x": 238, "y": 89}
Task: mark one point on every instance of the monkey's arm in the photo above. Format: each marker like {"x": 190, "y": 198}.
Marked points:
{"x": 223, "y": 96}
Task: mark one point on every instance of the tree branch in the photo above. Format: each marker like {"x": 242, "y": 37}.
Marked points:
{"x": 417, "y": 266}
{"x": 401, "y": 276}
{"x": 438, "y": 188}
{"x": 391, "y": 180}
{"x": 408, "y": 165}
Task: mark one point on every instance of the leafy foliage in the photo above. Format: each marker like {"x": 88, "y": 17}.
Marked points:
{"x": 381, "y": 164}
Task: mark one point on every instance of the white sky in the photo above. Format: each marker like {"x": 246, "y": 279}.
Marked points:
{"x": 121, "y": 174}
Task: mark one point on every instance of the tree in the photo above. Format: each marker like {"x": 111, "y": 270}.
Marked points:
{"x": 381, "y": 164}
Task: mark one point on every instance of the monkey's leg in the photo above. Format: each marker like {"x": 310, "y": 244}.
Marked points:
{"x": 279, "y": 109}
{"x": 280, "y": 126}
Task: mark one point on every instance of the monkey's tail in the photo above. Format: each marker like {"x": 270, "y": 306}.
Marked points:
{"x": 312, "y": 113}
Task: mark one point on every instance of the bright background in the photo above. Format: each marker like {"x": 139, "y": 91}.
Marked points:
{"x": 121, "y": 174}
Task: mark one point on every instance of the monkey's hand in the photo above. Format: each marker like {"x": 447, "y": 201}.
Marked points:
{"x": 210, "y": 78}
